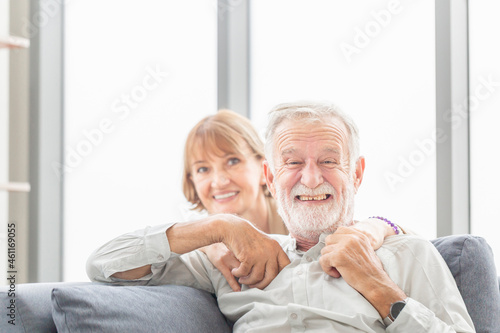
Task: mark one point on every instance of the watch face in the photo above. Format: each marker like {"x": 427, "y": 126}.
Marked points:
{"x": 396, "y": 308}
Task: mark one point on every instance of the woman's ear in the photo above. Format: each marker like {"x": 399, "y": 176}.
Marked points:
{"x": 269, "y": 177}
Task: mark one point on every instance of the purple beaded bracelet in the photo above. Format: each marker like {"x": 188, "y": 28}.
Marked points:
{"x": 393, "y": 226}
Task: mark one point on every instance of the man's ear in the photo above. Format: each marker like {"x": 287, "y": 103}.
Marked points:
{"x": 262, "y": 176}
{"x": 360, "y": 170}
{"x": 268, "y": 174}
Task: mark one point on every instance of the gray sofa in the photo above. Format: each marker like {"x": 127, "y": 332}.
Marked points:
{"x": 93, "y": 307}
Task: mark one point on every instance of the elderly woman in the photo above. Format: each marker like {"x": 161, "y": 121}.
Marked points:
{"x": 223, "y": 171}
{"x": 223, "y": 174}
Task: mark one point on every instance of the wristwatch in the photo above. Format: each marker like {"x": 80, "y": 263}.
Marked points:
{"x": 394, "y": 312}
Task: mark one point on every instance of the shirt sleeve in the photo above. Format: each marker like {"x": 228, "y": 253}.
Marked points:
{"x": 149, "y": 246}
{"x": 435, "y": 303}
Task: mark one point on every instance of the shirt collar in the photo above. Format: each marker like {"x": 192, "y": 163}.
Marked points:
{"x": 292, "y": 246}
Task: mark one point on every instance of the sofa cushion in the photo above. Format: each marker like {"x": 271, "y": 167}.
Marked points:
{"x": 107, "y": 308}
{"x": 471, "y": 263}
{"x": 33, "y": 308}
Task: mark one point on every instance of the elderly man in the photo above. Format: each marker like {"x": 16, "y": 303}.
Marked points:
{"x": 323, "y": 276}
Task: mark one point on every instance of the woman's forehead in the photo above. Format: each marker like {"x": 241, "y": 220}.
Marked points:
{"x": 203, "y": 151}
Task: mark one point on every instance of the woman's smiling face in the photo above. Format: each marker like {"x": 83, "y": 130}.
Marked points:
{"x": 228, "y": 182}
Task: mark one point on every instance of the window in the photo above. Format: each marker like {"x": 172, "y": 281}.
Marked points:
{"x": 484, "y": 95}
{"x": 137, "y": 78}
{"x": 377, "y": 62}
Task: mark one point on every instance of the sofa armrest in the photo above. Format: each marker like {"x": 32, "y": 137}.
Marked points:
{"x": 471, "y": 263}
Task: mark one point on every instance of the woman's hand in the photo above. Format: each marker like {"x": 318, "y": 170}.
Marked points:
{"x": 225, "y": 261}
{"x": 376, "y": 230}
{"x": 250, "y": 256}
{"x": 261, "y": 257}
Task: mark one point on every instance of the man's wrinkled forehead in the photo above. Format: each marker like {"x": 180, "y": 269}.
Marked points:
{"x": 326, "y": 130}
{"x": 328, "y": 149}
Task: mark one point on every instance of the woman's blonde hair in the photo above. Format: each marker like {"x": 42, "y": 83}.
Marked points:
{"x": 224, "y": 132}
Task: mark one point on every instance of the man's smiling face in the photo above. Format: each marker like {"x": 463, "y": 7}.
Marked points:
{"x": 312, "y": 181}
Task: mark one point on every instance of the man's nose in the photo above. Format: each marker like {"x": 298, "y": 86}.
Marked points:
{"x": 311, "y": 175}
{"x": 220, "y": 178}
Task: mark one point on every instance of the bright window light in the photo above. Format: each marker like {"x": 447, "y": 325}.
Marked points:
{"x": 484, "y": 81}
{"x": 376, "y": 60}
{"x": 138, "y": 76}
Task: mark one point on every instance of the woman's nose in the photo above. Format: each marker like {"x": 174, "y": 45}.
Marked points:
{"x": 220, "y": 178}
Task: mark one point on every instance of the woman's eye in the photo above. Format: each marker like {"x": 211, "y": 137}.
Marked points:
{"x": 233, "y": 161}
{"x": 202, "y": 170}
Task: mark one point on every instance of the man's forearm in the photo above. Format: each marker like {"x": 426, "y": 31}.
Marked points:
{"x": 382, "y": 294}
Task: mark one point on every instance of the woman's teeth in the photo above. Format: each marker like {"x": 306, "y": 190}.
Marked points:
{"x": 224, "y": 196}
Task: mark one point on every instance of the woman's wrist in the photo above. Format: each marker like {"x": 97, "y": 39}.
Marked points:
{"x": 393, "y": 227}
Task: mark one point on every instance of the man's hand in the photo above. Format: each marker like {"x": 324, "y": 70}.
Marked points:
{"x": 225, "y": 261}
{"x": 261, "y": 257}
{"x": 349, "y": 253}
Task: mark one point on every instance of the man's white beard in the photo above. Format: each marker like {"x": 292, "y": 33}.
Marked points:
{"x": 308, "y": 221}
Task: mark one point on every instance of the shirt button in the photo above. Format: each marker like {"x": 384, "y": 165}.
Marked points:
{"x": 299, "y": 272}
{"x": 309, "y": 259}
{"x": 160, "y": 257}
{"x": 293, "y": 316}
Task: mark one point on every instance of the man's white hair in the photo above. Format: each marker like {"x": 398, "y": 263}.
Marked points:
{"x": 310, "y": 112}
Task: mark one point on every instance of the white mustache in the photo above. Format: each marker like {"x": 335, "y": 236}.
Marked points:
{"x": 300, "y": 189}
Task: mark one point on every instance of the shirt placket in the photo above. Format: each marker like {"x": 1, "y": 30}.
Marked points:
{"x": 299, "y": 287}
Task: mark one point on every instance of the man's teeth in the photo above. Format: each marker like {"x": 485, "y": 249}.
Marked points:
{"x": 314, "y": 198}
{"x": 224, "y": 196}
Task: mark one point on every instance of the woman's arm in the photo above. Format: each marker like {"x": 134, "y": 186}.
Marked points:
{"x": 225, "y": 261}
{"x": 376, "y": 230}
{"x": 130, "y": 256}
